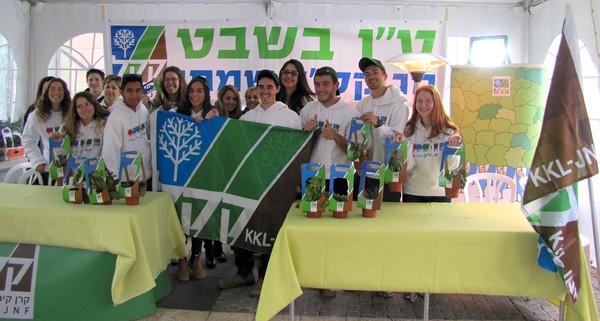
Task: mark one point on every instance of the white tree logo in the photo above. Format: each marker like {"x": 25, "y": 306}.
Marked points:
{"x": 179, "y": 138}
{"x": 124, "y": 39}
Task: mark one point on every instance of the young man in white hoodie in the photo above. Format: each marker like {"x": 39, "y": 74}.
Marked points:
{"x": 127, "y": 128}
{"x": 271, "y": 112}
{"x": 387, "y": 110}
{"x": 333, "y": 115}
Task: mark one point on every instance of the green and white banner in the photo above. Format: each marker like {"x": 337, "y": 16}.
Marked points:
{"x": 231, "y": 180}
{"x": 565, "y": 155}
{"x": 232, "y": 52}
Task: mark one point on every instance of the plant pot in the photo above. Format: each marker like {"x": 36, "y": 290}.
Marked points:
{"x": 369, "y": 213}
{"x": 132, "y": 193}
{"x": 396, "y": 186}
{"x": 60, "y": 180}
{"x": 317, "y": 209}
{"x": 76, "y": 195}
{"x": 105, "y": 198}
{"x": 133, "y": 200}
{"x": 452, "y": 192}
{"x": 314, "y": 214}
{"x": 340, "y": 214}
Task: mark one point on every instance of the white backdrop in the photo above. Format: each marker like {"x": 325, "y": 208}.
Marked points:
{"x": 232, "y": 52}
{"x": 36, "y": 32}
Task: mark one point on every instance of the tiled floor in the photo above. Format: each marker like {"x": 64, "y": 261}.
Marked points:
{"x": 201, "y": 300}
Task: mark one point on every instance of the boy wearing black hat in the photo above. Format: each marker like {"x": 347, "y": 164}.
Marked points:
{"x": 386, "y": 108}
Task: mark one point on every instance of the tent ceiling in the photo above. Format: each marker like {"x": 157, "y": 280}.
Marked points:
{"x": 452, "y": 3}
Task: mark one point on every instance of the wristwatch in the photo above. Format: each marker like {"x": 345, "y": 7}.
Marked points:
{"x": 379, "y": 123}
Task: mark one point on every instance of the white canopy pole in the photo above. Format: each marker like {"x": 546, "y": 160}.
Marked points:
{"x": 594, "y": 225}
{"x": 594, "y": 12}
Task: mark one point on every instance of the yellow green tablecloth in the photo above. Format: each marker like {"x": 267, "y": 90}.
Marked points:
{"x": 143, "y": 237}
{"x": 434, "y": 248}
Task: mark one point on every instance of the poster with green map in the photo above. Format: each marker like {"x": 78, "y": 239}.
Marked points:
{"x": 499, "y": 111}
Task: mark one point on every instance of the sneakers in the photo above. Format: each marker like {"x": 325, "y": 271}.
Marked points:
{"x": 235, "y": 281}
{"x": 410, "y": 296}
{"x": 197, "y": 270}
{"x": 211, "y": 263}
{"x": 328, "y": 293}
{"x": 386, "y": 294}
{"x": 256, "y": 288}
{"x": 218, "y": 253}
{"x": 183, "y": 273}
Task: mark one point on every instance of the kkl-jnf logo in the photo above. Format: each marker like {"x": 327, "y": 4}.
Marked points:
{"x": 501, "y": 86}
{"x": 17, "y": 282}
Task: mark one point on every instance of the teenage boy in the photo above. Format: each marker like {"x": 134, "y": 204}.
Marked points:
{"x": 127, "y": 128}
{"x": 385, "y": 108}
{"x": 333, "y": 115}
{"x": 94, "y": 79}
{"x": 271, "y": 112}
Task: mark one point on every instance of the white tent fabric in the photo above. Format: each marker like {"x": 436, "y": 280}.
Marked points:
{"x": 36, "y": 30}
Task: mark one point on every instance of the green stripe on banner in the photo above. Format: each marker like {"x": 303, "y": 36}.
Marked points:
{"x": 146, "y": 45}
{"x": 235, "y": 141}
{"x": 269, "y": 154}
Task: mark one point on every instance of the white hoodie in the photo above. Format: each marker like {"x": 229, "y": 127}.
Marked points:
{"x": 127, "y": 130}
{"x": 37, "y": 130}
{"x": 392, "y": 109}
{"x": 88, "y": 143}
{"x": 427, "y": 154}
{"x": 277, "y": 114}
{"x": 340, "y": 116}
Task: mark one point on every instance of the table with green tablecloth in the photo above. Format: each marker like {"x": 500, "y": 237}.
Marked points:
{"x": 134, "y": 243}
{"x": 415, "y": 247}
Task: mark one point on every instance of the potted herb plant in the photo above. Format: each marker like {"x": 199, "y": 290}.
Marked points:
{"x": 357, "y": 139}
{"x": 314, "y": 200}
{"x": 131, "y": 191}
{"x": 370, "y": 195}
{"x": 60, "y": 151}
{"x": 399, "y": 174}
{"x": 342, "y": 201}
{"x": 101, "y": 183}
{"x": 101, "y": 187}
{"x": 73, "y": 190}
{"x": 60, "y": 162}
{"x": 314, "y": 197}
{"x": 341, "y": 182}
{"x": 452, "y": 173}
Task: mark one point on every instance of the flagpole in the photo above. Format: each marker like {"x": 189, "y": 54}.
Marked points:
{"x": 590, "y": 185}
{"x": 594, "y": 226}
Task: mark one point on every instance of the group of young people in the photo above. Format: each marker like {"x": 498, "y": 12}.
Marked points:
{"x": 112, "y": 116}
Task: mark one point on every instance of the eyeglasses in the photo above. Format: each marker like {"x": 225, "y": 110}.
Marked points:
{"x": 290, "y": 73}
{"x": 174, "y": 79}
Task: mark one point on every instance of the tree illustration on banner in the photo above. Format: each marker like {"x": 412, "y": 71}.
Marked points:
{"x": 179, "y": 138}
{"x": 235, "y": 181}
{"x": 565, "y": 155}
{"x": 124, "y": 39}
